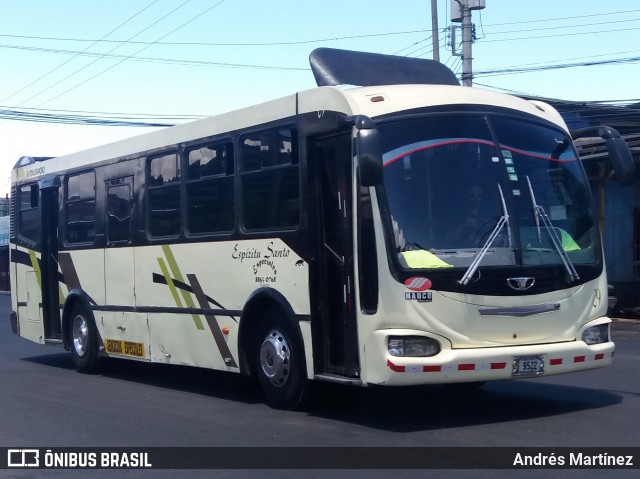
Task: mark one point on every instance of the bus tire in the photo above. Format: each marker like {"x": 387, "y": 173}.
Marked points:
{"x": 83, "y": 340}
{"x": 280, "y": 363}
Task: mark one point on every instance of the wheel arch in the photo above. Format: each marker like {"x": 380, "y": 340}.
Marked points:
{"x": 260, "y": 301}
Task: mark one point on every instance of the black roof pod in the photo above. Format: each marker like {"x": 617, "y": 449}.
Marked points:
{"x": 332, "y": 67}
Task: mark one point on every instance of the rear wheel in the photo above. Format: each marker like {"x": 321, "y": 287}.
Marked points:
{"x": 280, "y": 363}
{"x": 84, "y": 340}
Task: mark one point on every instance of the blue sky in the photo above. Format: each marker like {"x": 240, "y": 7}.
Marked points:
{"x": 204, "y": 57}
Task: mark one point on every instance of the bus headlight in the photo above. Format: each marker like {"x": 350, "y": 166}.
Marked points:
{"x": 596, "y": 334}
{"x": 413, "y": 346}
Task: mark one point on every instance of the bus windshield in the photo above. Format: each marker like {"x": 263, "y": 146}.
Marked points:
{"x": 510, "y": 190}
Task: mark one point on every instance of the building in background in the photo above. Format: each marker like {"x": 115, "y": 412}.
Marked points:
{"x": 4, "y": 253}
{"x": 618, "y": 207}
{"x": 5, "y": 204}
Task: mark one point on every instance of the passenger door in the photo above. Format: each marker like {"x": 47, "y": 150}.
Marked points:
{"x": 336, "y": 305}
{"x": 51, "y": 293}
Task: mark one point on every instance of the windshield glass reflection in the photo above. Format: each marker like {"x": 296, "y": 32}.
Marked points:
{"x": 449, "y": 185}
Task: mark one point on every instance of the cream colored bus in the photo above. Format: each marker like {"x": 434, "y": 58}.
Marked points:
{"x": 409, "y": 231}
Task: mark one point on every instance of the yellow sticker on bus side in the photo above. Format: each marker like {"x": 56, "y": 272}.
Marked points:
{"x": 125, "y": 348}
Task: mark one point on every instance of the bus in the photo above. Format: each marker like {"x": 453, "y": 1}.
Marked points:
{"x": 388, "y": 227}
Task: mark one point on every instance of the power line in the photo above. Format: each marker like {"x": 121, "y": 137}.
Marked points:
{"x": 414, "y": 44}
{"x": 564, "y": 26}
{"x": 551, "y": 62}
{"x": 107, "y": 114}
{"x": 510, "y": 71}
{"x": 562, "y": 18}
{"x": 211, "y": 44}
{"x": 175, "y": 61}
{"x": 321, "y": 40}
{"x": 17, "y": 115}
{"x": 96, "y": 60}
{"x": 559, "y": 35}
{"x": 139, "y": 51}
{"x": 626, "y": 106}
{"x": 77, "y": 54}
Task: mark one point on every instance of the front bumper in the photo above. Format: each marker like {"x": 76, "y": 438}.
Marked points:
{"x": 475, "y": 364}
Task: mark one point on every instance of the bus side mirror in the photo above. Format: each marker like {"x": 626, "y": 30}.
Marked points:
{"x": 619, "y": 153}
{"x": 621, "y": 161}
{"x": 369, "y": 157}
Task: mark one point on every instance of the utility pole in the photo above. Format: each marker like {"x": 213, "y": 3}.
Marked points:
{"x": 461, "y": 12}
{"x": 467, "y": 74}
{"x": 434, "y": 30}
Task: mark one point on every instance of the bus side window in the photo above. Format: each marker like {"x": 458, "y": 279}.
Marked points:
{"x": 29, "y": 217}
{"x": 270, "y": 180}
{"x": 81, "y": 208}
{"x": 210, "y": 189}
{"x": 164, "y": 196}
{"x": 119, "y": 213}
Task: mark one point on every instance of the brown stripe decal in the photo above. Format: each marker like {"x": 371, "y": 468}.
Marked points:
{"x": 212, "y": 322}
{"x": 68, "y": 271}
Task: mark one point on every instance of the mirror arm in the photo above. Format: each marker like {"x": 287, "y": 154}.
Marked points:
{"x": 604, "y": 132}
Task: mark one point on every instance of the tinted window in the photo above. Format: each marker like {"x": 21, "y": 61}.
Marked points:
{"x": 213, "y": 160}
{"x": 28, "y": 216}
{"x": 164, "y": 196}
{"x": 210, "y": 190}
{"x": 270, "y": 180}
{"x": 81, "y": 208}
{"x": 164, "y": 170}
{"x": 119, "y": 213}
{"x": 269, "y": 149}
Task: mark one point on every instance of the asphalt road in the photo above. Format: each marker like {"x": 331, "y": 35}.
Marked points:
{"x": 45, "y": 403}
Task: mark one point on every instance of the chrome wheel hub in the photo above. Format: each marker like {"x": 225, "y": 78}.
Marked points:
{"x": 80, "y": 335}
{"x": 275, "y": 358}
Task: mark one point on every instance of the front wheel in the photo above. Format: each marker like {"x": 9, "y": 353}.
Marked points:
{"x": 84, "y": 341}
{"x": 280, "y": 363}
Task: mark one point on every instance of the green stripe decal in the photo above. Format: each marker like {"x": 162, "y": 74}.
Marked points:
{"x": 60, "y": 295}
{"x": 173, "y": 265}
{"x": 172, "y": 287}
{"x": 36, "y": 267}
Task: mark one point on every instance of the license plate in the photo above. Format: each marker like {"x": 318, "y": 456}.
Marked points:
{"x": 528, "y": 366}
{"x": 125, "y": 348}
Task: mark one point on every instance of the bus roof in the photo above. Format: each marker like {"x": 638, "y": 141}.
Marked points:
{"x": 371, "y": 101}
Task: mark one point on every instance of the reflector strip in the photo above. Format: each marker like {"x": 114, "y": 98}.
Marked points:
{"x": 450, "y": 368}
{"x": 394, "y": 368}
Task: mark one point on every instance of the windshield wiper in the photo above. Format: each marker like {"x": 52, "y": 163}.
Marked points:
{"x": 540, "y": 214}
{"x": 503, "y": 220}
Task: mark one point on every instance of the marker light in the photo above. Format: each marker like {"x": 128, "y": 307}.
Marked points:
{"x": 412, "y": 346}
